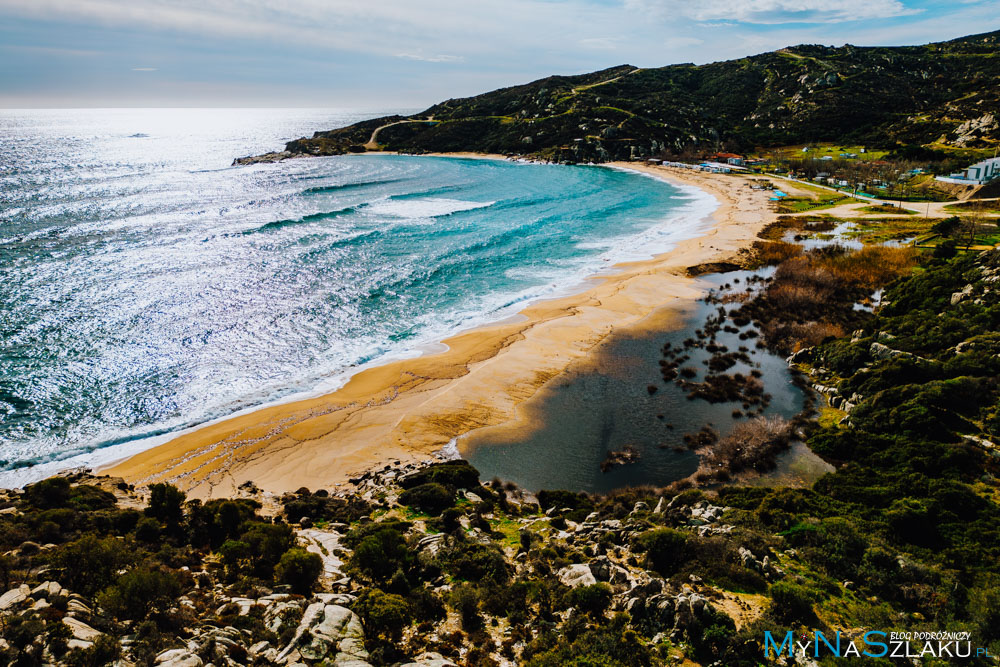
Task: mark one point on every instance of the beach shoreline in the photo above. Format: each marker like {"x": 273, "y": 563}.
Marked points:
{"x": 411, "y": 409}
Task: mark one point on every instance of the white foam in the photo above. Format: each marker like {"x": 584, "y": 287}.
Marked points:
{"x": 424, "y": 208}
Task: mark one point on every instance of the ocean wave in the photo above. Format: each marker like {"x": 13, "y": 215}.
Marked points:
{"x": 312, "y": 217}
{"x": 423, "y": 208}
{"x": 326, "y": 189}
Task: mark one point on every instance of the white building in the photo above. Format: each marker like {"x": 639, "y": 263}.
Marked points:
{"x": 977, "y": 174}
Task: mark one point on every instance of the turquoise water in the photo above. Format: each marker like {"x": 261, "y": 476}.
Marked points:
{"x": 147, "y": 286}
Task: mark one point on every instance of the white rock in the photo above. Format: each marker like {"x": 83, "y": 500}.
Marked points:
{"x": 80, "y": 629}
{"x": 577, "y": 575}
{"x": 13, "y": 597}
{"x": 430, "y": 659}
{"x": 178, "y": 657}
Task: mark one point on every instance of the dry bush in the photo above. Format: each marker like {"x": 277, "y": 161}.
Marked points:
{"x": 794, "y": 336}
{"x": 769, "y": 253}
{"x": 870, "y": 267}
{"x": 751, "y": 445}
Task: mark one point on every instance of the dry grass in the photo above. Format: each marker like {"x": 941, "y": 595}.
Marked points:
{"x": 770, "y": 253}
{"x": 870, "y": 267}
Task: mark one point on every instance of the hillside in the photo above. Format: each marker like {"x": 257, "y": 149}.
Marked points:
{"x": 945, "y": 94}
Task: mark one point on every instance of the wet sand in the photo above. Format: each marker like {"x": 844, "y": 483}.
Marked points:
{"x": 410, "y": 409}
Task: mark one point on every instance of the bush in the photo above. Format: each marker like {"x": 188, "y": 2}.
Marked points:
{"x": 465, "y": 600}
{"x": 791, "y": 603}
{"x": 380, "y": 554}
{"x": 92, "y": 563}
{"x": 383, "y": 615}
{"x": 48, "y": 493}
{"x": 138, "y": 592}
{"x": 453, "y": 474}
{"x": 300, "y": 569}
{"x": 431, "y": 497}
{"x": 477, "y": 562}
{"x": 594, "y": 599}
{"x": 665, "y": 549}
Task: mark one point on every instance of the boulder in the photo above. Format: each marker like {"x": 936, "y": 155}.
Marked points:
{"x": 80, "y": 629}
{"x": 430, "y": 660}
{"x": 48, "y": 590}
{"x": 178, "y": 657}
{"x": 577, "y": 575}
{"x": 331, "y": 633}
{"x": 14, "y": 597}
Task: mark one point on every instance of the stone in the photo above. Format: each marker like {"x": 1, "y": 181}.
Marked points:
{"x": 178, "y": 657}
{"x": 577, "y": 575}
{"x": 430, "y": 659}
{"x": 14, "y": 597}
{"x": 80, "y": 629}
{"x": 48, "y": 590}
{"x": 329, "y": 632}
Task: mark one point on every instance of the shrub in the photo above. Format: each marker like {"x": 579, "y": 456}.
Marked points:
{"x": 380, "y": 554}
{"x": 465, "y": 600}
{"x": 664, "y": 549}
{"x": 383, "y": 615}
{"x": 453, "y": 474}
{"x": 594, "y": 599}
{"x": 138, "y": 592}
{"x": 477, "y": 562}
{"x": 431, "y": 497}
{"x": 91, "y": 563}
{"x": 791, "y": 603}
{"x": 48, "y": 493}
{"x": 300, "y": 569}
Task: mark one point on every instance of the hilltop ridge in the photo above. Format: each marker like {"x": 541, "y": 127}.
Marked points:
{"x": 944, "y": 94}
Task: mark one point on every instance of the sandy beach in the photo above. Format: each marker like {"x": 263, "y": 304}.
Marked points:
{"x": 411, "y": 409}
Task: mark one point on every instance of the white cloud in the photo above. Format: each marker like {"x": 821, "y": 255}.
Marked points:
{"x": 773, "y": 11}
{"x": 144, "y": 69}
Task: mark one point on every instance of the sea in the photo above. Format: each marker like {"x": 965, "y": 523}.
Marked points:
{"x": 148, "y": 286}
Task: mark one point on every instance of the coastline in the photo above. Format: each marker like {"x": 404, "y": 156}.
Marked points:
{"x": 410, "y": 409}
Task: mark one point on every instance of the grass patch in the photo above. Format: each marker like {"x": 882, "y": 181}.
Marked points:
{"x": 830, "y": 417}
{"x": 975, "y": 206}
{"x": 887, "y": 208}
{"x": 881, "y": 230}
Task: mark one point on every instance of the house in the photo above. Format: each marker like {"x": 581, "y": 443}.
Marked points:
{"x": 976, "y": 174}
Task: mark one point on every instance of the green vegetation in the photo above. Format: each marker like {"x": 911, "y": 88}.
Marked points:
{"x": 900, "y": 100}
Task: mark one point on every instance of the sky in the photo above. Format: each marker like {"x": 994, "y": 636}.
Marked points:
{"x": 408, "y": 53}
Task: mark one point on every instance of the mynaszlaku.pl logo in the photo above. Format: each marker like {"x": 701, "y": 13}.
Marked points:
{"x": 874, "y": 644}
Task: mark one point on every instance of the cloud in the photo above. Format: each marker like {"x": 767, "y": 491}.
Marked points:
{"x": 431, "y": 59}
{"x": 774, "y": 11}
{"x": 144, "y": 69}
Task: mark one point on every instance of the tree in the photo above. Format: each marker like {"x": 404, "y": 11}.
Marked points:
{"x": 138, "y": 592}
{"x": 300, "y": 569}
{"x": 465, "y": 600}
{"x": 91, "y": 563}
{"x": 166, "y": 503}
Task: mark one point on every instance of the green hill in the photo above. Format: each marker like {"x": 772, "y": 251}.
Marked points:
{"x": 944, "y": 93}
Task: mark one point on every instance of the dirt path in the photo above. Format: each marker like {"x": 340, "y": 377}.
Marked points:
{"x": 372, "y": 144}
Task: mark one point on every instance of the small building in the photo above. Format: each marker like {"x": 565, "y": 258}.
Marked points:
{"x": 976, "y": 174}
